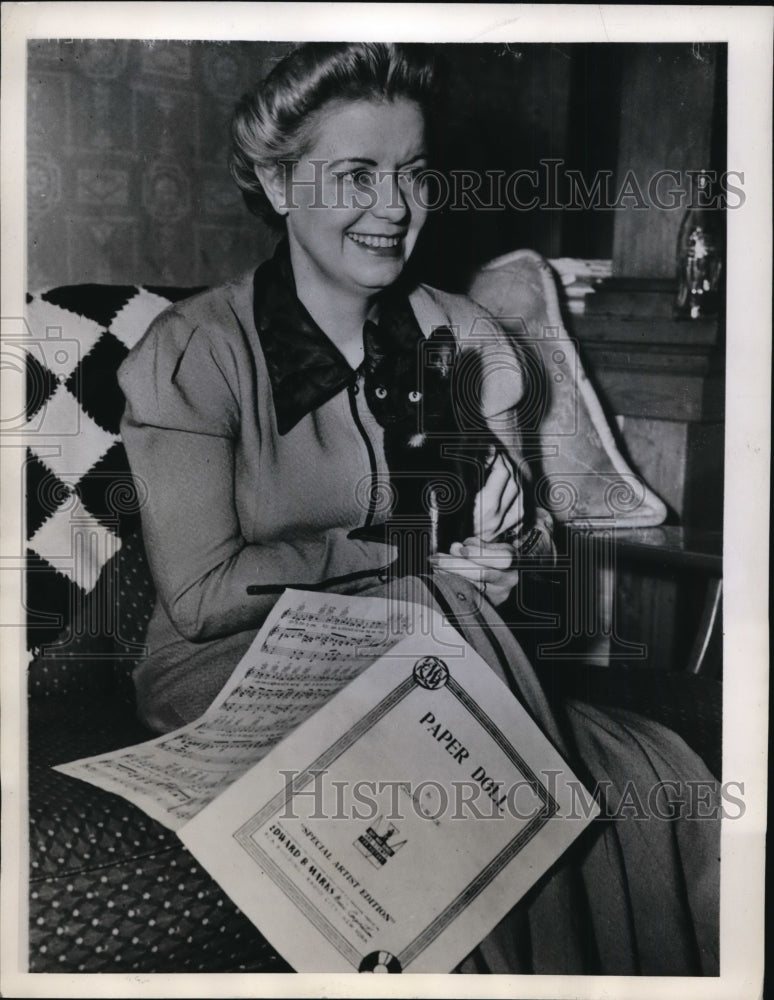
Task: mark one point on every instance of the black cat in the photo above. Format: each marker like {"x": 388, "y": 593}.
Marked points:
{"x": 436, "y": 447}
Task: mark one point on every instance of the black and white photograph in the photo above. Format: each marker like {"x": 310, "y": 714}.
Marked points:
{"x": 385, "y": 447}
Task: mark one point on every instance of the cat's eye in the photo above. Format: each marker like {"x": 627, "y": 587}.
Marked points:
{"x": 415, "y": 396}
{"x": 380, "y": 392}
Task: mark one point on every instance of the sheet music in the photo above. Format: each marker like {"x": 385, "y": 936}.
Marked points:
{"x": 310, "y": 646}
{"x": 393, "y": 830}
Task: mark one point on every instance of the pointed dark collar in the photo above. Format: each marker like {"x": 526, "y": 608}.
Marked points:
{"x": 305, "y": 367}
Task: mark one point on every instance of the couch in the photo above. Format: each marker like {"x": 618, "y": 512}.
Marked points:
{"x": 111, "y": 890}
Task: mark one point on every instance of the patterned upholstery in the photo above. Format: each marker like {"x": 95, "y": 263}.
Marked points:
{"x": 83, "y": 661}
{"x": 81, "y": 498}
{"x": 110, "y": 889}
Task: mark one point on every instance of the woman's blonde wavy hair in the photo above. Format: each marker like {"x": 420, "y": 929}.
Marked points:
{"x": 275, "y": 122}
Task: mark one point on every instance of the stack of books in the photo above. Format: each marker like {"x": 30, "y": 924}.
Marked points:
{"x": 580, "y": 279}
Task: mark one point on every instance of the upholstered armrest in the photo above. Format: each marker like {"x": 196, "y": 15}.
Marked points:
{"x": 582, "y": 476}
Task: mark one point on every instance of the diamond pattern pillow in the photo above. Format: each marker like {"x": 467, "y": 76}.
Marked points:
{"x": 81, "y": 500}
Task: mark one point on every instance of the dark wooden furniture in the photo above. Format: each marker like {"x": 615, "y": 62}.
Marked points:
{"x": 657, "y": 592}
{"x": 620, "y": 571}
{"x": 663, "y": 382}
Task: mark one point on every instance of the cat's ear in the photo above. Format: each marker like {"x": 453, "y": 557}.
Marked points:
{"x": 375, "y": 344}
{"x": 440, "y": 350}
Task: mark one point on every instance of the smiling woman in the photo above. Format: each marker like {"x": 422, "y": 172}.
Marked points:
{"x": 335, "y": 150}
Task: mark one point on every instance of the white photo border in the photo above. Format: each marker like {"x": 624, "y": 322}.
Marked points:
{"x": 748, "y": 32}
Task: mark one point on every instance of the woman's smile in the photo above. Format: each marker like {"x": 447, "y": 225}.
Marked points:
{"x": 388, "y": 246}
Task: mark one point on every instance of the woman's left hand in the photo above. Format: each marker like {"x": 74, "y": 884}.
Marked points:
{"x": 488, "y": 565}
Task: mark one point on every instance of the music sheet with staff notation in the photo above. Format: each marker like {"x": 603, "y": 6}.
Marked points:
{"x": 309, "y": 647}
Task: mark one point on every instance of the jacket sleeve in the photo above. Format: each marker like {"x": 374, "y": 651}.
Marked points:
{"x": 179, "y": 428}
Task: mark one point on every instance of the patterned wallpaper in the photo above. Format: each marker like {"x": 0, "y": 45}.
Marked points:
{"x": 127, "y": 174}
{"x": 127, "y": 147}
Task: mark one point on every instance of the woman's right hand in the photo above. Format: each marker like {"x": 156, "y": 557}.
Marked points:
{"x": 490, "y": 566}
{"x": 499, "y": 504}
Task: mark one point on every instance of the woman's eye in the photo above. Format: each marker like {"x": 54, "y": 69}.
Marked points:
{"x": 380, "y": 392}
{"x": 411, "y": 177}
{"x": 415, "y": 396}
{"x": 358, "y": 176}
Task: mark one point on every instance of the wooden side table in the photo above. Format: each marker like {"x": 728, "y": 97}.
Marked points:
{"x": 611, "y": 609}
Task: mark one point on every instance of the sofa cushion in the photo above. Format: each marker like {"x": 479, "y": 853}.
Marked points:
{"x": 111, "y": 890}
{"x": 105, "y": 636}
{"x": 81, "y": 498}
{"x": 582, "y": 476}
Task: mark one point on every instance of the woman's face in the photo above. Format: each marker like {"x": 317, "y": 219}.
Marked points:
{"x": 353, "y": 214}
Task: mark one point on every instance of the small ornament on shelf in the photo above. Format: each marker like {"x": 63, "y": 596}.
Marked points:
{"x": 700, "y": 255}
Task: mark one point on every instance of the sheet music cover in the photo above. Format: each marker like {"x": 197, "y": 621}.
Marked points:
{"x": 393, "y": 830}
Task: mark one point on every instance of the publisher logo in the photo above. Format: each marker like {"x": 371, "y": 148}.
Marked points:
{"x": 377, "y": 844}
{"x": 380, "y": 961}
{"x": 431, "y": 672}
